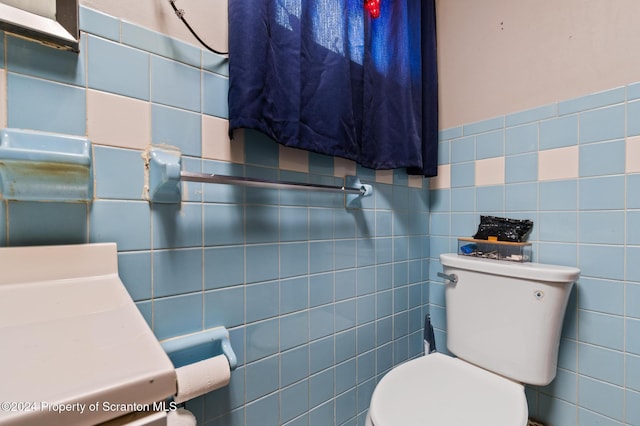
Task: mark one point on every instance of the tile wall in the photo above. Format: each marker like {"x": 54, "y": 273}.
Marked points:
{"x": 320, "y": 300}
{"x": 572, "y": 167}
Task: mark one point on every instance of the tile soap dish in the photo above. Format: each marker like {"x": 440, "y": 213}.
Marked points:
{"x": 494, "y": 249}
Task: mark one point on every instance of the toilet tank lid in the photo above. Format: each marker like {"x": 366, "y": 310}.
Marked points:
{"x": 524, "y": 270}
{"x": 71, "y": 334}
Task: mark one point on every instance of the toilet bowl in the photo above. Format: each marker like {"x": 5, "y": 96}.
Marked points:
{"x": 503, "y": 325}
{"x": 441, "y": 390}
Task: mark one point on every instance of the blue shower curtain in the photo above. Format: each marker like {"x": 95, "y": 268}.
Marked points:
{"x": 324, "y": 76}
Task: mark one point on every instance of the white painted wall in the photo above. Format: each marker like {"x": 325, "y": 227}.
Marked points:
{"x": 502, "y": 56}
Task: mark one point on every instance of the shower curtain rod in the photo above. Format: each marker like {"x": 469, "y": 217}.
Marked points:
{"x": 263, "y": 183}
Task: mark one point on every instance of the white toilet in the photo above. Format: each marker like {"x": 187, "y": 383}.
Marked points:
{"x": 504, "y": 321}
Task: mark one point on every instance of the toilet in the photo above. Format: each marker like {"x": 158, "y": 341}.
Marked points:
{"x": 504, "y": 321}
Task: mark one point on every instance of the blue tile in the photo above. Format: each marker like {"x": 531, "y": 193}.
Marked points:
{"x": 106, "y": 72}
{"x": 366, "y": 251}
{"x": 489, "y": 145}
{"x": 601, "y": 227}
{"x": 606, "y": 158}
{"x": 633, "y": 408}
{"x": 177, "y": 271}
{"x": 601, "y": 397}
{"x": 463, "y": 149}
{"x": 345, "y": 376}
{"x": 118, "y": 173}
{"x": 558, "y": 195}
{"x": 451, "y": 133}
{"x": 321, "y": 164}
{"x": 224, "y": 307}
{"x": 321, "y": 289}
{"x": 558, "y": 132}
{"x": 261, "y": 224}
{"x": 563, "y": 386}
{"x": 484, "y": 126}
{"x": 600, "y": 329}
{"x": 151, "y": 41}
{"x": 587, "y": 417}
{"x": 262, "y": 378}
{"x": 262, "y": 339}
{"x": 223, "y": 224}
{"x": 294, "y": 365}
{"x": 602, "y": 193}
{"x": 262, "y": 301}
{"x": 260, "y": 150}
{"x": 490, "y": 199}
{"x": 214, "y": 95}
{"x": 366, "y": 280}
{"x": 633, "y": 371}
{"x": 633, "y": 191}
{"x": 128, "y": 223}
{"x": 521, "y": 168}
{"x": 320, "y": 224}
{"x": 531, "y": 115}
{"x": 521, "y": 197}
{"x": 321, "y": 354}
{"x": 134, "y": 269}
{"x": 602, "y": 124}
{"x": 633, "y": 331}
{"x": 602, "y": 364}
{"x": 192, "y": 191}
{"x": 294, "y": 295}
{"x": 294, "y": 401}
{"x": 632, "y": 297}
{"x": 444, "y": 153}
{"x": 321, "y": 322}
{"x": 294, "y": 330}
{"x": 558, "y": 226}
{"x": 175, "y": 316}
{"x": 345, "y": 346}
{"x": 633, "y": 118}
{"x": 38, "y": 104}
{"x": 232, "y": 194}
{"x": 633, "y": 91}
{"x": 366, "y": 338}
{"x": 146, "y": 310}
{"x": 345, "y": 315}
{"x": 593, "y": 100}
{"x": 633, "y": 227}
{"x": 2, "y": 49}
{"x": 557, "y": 254}
{"x": 223, "y": 266}
{"x": 294, "y": 224}
{"x": 462, "y": 224}
{"x": 366, "y": 366}
{"x": 321, "y": 256}
{"x": 521, "y": 139}
{"x": 176, "y": 127}
{"x": 554, "y": 411}
{"x": 98, "y": 23}
{"x": 34, "y": 223}
{"x": 602, "y": 261}
{"x": 345, "y": 406}
{"x": 321, "y": 387}
{"x": 37, "y": 60}
{"x": 177, "y": 226}
{"x": 463, "y": 174}
{"x": 175, "y": 84}
{"x": 213, "y": 62}
{"x": 262, "y": 262}
{"x": 345, "y": 284}
{"x": 366, "y": 309}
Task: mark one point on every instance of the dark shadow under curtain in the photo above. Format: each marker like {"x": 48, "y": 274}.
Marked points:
{"x": 326, "y": 77}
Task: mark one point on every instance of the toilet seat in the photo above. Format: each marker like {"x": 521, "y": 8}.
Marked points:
{"x": 443, "y": 391}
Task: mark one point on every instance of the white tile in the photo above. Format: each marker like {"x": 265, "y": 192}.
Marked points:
{"x": 294, "y": 159}
{"x": 384, "y": 176}
{"x": 343, "y": 167}
{"x": 118, "y": 120}
{"x": 559, "y": 163}
{"x": 415, "y": 181}
{"x": 3, "y": 98}
{"x": 490, "y": 171}
{"x": 443, "y": 180}
{"x": 633, "y": 155}
{"x": 216, "y": 144}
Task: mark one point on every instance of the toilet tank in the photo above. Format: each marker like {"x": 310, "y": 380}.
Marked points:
{"x": 507, "y": 317}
